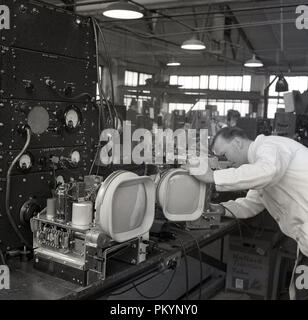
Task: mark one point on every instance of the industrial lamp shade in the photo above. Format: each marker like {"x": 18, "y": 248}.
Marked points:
{"x": 282, "y": 84}
{"x": 193, "y": 44}
{"x": 173, "y": 63}
{"x": 253, "y": 62}
{"x": 123, "y": 10}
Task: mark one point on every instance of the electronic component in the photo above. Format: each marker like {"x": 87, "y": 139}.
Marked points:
{"x": 82, "y": 215}
{"x": 81, "y": 244}
{"x": 25, "y": 162}
{"x": 51, "y": 208}
{"x": 27, "y": 71}
{"x": 75, "y": 158}
{"x": 45, "y": 28}
{"x": 48, "y": 85}
{"x": 38, "y": 120}
{"x": 72, "y": 118}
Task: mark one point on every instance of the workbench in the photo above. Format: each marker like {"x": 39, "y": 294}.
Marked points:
{"x": 31, "y": 284}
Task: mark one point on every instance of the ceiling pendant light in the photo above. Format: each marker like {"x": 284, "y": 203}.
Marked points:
{"x": 193, "y": 44}
{"x": 123, "y": 10}
{"x": 173, "y": 63}
{"x": 253, "y": 62}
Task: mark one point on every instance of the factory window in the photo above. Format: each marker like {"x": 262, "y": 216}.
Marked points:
{"x": 276, "y": 100}
{"x": 180, "y": 106}
{"x": 273, "y": 104}
{"x": 131, "y": 78}
{"x": 128, "y": 99}
{"x": 242, "y": 106}
{"x": 134, "y": 79}
{"x": 222, "y": 106}
{"x": 213, "y": 82}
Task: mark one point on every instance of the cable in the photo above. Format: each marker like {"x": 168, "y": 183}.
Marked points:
{"x": 236, "y": 218}
{"x": 200, "y": 260}
{"x": 158, "y": 295}
{"x": 2, "y": 257}
{"x": 109, "y": 61}
{"x": 109, "y": 65}
{"x": 138, "y": 284}
{"x": 186, "y": 269}
{"x": 239, "y": 223}
{"x": 102, "y": 95}
{"x": 8, "y": 189}
{"x": 101, "y": 115}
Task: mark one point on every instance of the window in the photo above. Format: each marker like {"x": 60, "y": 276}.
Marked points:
{"x": 134, "y": 79}
{"x": 213, "y": 82}
{"x": 131, "y": 78}
{"x": 139, "y": 99}
{"x": 222, "y": 106}
{"x": 276, "y": 100}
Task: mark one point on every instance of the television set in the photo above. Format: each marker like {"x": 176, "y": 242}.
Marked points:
{"x": 125, "y": 205}
{"x": 180, "y": 195}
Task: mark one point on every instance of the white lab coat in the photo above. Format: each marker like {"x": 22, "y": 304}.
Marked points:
{"x": 277, "y": 179}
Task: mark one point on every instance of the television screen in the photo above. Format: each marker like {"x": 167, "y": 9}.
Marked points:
{"x": 180, "y": 195}
{"x": 183, "y": 195}
{"x": 125, "y": 205}
{"x": 129, "y": 207}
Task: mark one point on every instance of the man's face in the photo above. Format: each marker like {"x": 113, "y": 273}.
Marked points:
{"x": 233, "y": 150}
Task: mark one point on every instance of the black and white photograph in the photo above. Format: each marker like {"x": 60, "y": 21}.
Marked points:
{"x": 154, "y": 153}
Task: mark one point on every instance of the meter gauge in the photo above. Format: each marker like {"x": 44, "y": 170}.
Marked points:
{"x": 60, "y": 180}
{"x": 75, "y": 158}
{"x": 72, "y": 118}
{"x": 25, "y": 163}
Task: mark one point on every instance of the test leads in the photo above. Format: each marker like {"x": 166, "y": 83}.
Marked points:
{"x": 180, "y": 195}
{"x": 125, "y": 205}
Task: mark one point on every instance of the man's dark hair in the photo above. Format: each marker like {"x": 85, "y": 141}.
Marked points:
{"x": 229, "y": 133}
{"x": 233, "y": 114}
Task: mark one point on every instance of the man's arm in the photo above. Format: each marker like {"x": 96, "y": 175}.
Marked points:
{"x": 302, "y": 234}
{"x": 271, "y": 164}
{"x": 244, "y": 208}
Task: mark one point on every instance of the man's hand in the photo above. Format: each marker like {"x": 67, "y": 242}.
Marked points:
{"x": 200, "y": 169}
{"x": 217, "y": 209}
{"x": 208, "y": 177}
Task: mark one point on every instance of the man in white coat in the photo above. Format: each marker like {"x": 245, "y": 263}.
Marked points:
{"x": 275, "y": 170}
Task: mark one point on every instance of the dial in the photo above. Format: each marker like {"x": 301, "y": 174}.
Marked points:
{"x": 25, "y": 162}
{"x": 72, "y": 119}
{"x": 75, "y": 157}
{"x": 60, "y": 180}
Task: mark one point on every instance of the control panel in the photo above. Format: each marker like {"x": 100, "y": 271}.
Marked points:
{"x": 48, "y": 115}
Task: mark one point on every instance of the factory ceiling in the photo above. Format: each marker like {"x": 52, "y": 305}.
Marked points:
{"x": 231, "y": 29}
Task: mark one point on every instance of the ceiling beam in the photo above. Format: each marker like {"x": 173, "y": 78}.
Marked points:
{"x": 173, "y": 4}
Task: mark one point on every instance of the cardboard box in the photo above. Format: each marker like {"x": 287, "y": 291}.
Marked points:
{"x": 250, "y": 264}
